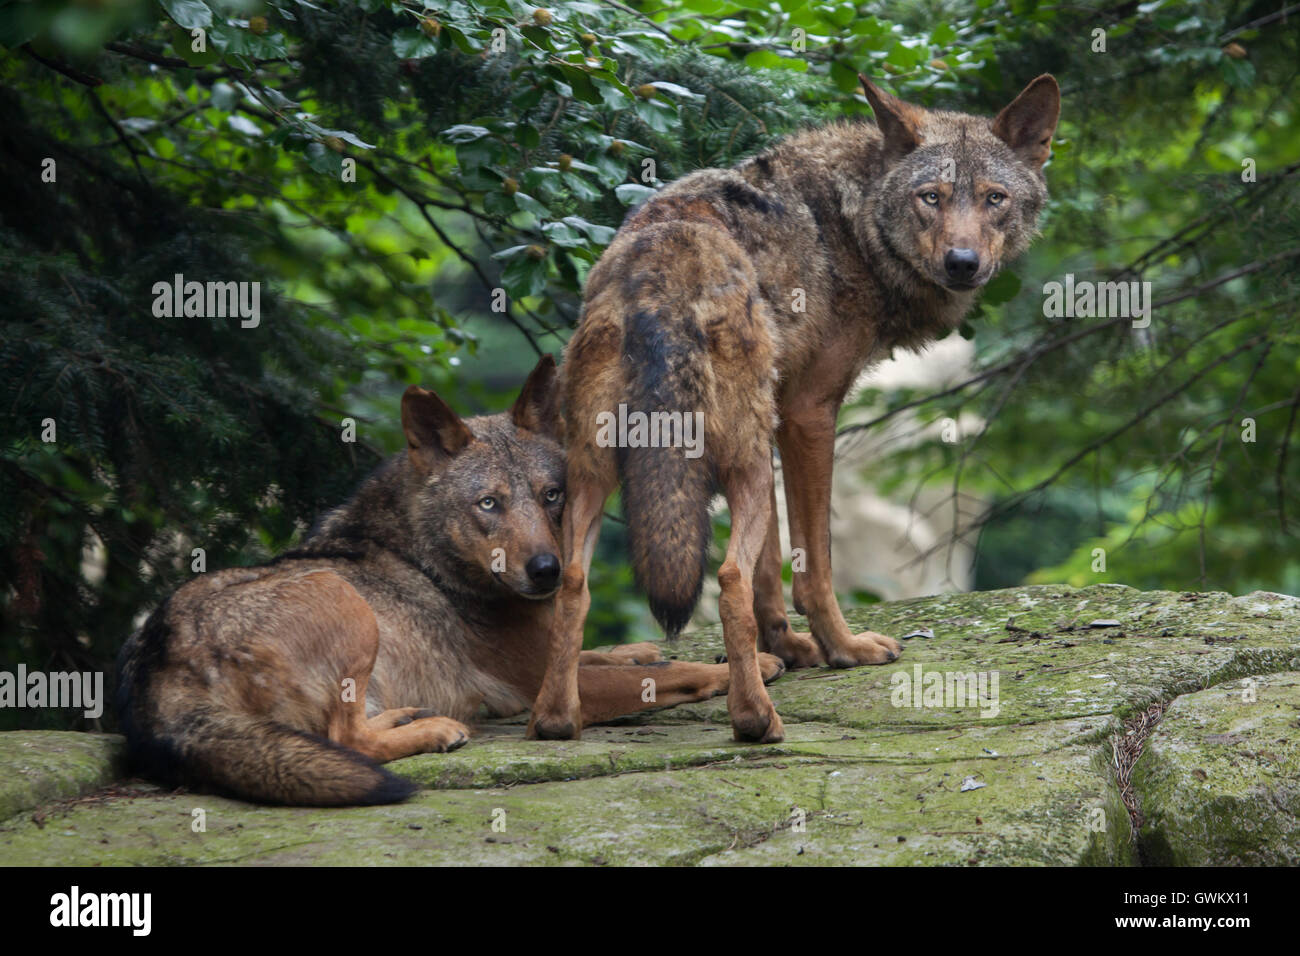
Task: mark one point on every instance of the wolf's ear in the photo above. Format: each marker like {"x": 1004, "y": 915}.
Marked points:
{"x": 898, "y": 121}
{"x": 1027, "y": 124}
{"x": 537, "y": 409}
{"x": 434, "y": 433}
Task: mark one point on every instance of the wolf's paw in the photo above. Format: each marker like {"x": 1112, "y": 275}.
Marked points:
{"x": 797, "y": 650}
{"x": 865, "y": 648}
{"x": 398, "y": 717}
{"x": 546, "y": 727}
{"x": 888, "y": 642}
{"x": 770, "y": 666}
{"x": 441, "y": 734}
{"x": 757, "y": 723}
{"x": 642, "y": 652}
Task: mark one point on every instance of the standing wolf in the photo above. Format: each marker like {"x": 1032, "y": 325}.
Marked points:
{"x": 424, "y": 597}
{"x": 755, "y": 296}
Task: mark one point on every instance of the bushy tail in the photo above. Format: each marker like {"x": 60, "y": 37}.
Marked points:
{"x": 250, "y": 757}
{"x": 666, "y": 494}
{"x": 260, "y": 760}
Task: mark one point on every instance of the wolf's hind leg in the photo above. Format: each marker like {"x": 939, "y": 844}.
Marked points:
{"x": 642, "y": 652}
{"x": 401, "y": 732}
{"x": 748, "y": 487}
{"x": 348, "y": 646}
{"x": 610, "y": 691}
{"x": 396, "y": 717}
{"x": 423, "y": 735}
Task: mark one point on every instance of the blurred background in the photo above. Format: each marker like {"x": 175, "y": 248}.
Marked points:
{"x": 421, "y": 188}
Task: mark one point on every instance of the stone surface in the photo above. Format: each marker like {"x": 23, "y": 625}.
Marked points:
{"x": 42, "y": 766}
{"x": 1220, "y": 777}
{"x": 863, "y": 776}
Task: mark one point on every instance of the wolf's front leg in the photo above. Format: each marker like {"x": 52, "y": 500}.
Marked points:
{"x": 807, "y": 442}
{"x": 557, "y": 712}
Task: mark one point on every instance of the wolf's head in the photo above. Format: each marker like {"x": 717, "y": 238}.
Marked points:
{"x": 956, "y": 195}
{"x": 486, "y": 494}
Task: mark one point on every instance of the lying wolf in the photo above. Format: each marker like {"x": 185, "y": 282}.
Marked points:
{"x": 750, "y": 299}
{"x": 425, "y": 596}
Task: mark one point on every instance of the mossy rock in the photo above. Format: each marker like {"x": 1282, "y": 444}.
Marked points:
{"x": 38, "y": 767}
{"x": 862, "y": 777}
{"x": 1220, "y": 777}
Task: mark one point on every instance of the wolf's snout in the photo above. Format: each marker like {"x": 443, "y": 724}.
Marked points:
{"x": 543, "y": 570}
{"x": 961, "y": 265}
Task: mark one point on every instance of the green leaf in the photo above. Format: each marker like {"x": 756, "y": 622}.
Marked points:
{"x": 413, "y": 45}
{"x": 582, "y": 85}
{"x": 601, "y": 235}
{"x": 611, "y": 170}
{"x": 845, "y": 77}
{"x": 676, "y": 90}
{"x": 612, "y": 94}
{"x": 843, "y": 14}
{"x": 538, "y": 36}
{"x": 560, "y": 234}
{"x": 225, "y": 97}
{"x": 188, "y": 13}
{"x": 464, "y": 133}
{"x": 348, "y": 138}
{"x": 1238, "y": 73}
{"x": 324, "y": 160}
{"x": 581, "y": 188}
{"x": 511, "y": 253}
{"x": 499, "y": 204}
{"x": 528, "y": 204}
{"x": 524, "y": 276}
{"x": 526, "y": 135}
{"x": 1001, "y": 288}
{"x": 183, "y": 43}
{"x": 770, "y": 60}
{"x": 528, "y": 98}
{"x": 943, "y": 35}
{"x": 660, "y": 117}
{"x": 465, "y": 42}
{"x": 630, "y": 193}
{"x": 244, "y": 125}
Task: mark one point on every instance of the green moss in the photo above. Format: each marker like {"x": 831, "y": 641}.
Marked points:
{"x": 1218, "y": 778}
{"x": 41, "y": 766}
{"x": 872, "y": 782}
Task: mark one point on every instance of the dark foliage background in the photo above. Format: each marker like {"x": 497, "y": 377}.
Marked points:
{"x": 496, "y": 146}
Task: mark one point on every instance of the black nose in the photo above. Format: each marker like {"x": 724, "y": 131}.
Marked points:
{"x": 961, "y": 264}
{"x": 543, "y": 570}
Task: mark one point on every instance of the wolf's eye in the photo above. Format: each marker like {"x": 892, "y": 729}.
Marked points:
{"x": 552, "y": 495}
{"x": 930, "y": 198}
{"x": 995, "y": 198}
{"x": 488, "y": 503}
